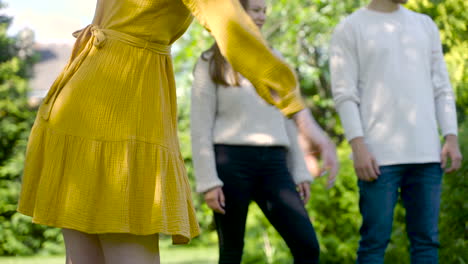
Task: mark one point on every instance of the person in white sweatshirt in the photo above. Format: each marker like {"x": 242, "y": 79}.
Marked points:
{"x": 392, "y": 92}
{"x": 245, "y": 150}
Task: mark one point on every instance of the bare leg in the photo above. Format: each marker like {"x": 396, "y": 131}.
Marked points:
{"x": 128, "y": 248}
{"x": 82, "y": 248}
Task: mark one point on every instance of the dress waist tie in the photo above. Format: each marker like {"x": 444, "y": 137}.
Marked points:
{"x": 90, "y": 36}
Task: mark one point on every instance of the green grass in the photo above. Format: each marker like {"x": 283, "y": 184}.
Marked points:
{"x": 169, "y": 255}
{"x": 32, "y": 260}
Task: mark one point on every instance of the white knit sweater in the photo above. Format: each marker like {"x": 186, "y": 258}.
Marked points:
{"x": 391, "y": 86}
{"x": 236, "y": 116}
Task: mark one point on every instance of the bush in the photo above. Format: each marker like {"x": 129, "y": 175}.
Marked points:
{"x": 454, "y": 210}
{"x": 18, "y": 236}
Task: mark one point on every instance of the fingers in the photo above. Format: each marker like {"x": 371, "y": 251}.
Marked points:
{"x": 312, "y": 164}
{"x": 331, "y": 178}
{"x": 307, "y": 193}
{"x": 215, "y": 200}
{"x": 455, "y": 162}
{"x": 331, "y": 165}
{"x": 215, "y": 206}
{"x": 222, "y": 200}
{"x": 365, "y": 165}
{"x": 375, "y": 166}
{"x": 368, "y": 171}
{"x": 443, "y": 159}
{"x": 371, "y": 171}
{"x": 333, "y": 172}
{"x": 304, "y": 191}
{"x": 371, "y": 175}
{"x": 362, "y": 174}
{"x": 451, "y": 154}
{"x": 300, "y": 189}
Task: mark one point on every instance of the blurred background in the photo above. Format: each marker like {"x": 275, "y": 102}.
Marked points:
{"x": 36, "y": 41}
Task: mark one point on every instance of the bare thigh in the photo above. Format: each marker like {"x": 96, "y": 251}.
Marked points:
{"x": 82, "y": 248}
{"x": 129, "y": 249}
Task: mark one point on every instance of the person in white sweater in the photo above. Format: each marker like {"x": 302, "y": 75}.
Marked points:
{"x": 392, "y": 92}
{"x": 245, "y": 150}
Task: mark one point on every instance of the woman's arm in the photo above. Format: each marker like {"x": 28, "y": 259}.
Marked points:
{"x": 315, "y": 144}
{"x": 202, "y": 120}
{"x": 296, "y": 162}
{"x": 243, "y": 46}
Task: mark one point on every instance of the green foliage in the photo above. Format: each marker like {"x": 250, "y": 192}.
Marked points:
{"x": 18, "y": 236}
{"x": 454, "y": 210}
{"x": 336, "y": 213}
{"x": 451, "y": 18}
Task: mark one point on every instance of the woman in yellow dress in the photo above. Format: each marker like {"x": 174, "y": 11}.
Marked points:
{"x": 103, "y": 159}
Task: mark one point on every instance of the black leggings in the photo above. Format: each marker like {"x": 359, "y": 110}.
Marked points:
{"x": 261, "y": 174}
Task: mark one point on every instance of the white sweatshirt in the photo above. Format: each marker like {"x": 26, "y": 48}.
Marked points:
{"x": 236, "y": 116}
{"x": 391, "y": 86}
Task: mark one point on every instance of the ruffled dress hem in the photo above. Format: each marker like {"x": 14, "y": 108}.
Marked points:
{"x": 96, "y": 186}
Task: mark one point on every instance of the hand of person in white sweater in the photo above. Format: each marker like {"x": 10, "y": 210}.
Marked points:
{"x": 451, "y": 151}
{"x": 214, "y": 198}
{"x": 365, "y": 165}
{"x": 304, "y": 191}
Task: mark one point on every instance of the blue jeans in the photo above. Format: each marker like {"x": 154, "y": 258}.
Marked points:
{"x": 420, "y": 188}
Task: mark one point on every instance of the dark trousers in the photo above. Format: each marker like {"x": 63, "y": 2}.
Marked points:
{"x": 420, "y": 188}
{"x": 260, "y": 174}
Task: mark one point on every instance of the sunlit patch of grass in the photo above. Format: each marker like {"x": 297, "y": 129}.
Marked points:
{"x": 169, "y": 255}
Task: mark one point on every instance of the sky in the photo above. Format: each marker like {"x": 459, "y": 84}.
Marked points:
{"x": 53, "y": 21}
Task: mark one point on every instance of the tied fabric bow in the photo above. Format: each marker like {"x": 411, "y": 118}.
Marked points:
{"x": 88, "y": 37}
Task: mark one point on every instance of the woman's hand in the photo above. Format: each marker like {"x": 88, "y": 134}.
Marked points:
{"x": 304, "y": 191}
{"x": 330, "y": 161}
{"x": 214, "y": 198}
{"x": 317, "y": 145}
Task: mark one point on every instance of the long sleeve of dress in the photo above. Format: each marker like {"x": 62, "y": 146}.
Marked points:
{"x": 243, "y": 46}
{"x": 202, "y": 119}
{"x": 295, "y": 158}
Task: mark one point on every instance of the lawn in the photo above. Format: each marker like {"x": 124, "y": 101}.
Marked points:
{"x": 169, "y": 255}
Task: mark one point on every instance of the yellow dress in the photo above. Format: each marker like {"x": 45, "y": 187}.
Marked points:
{"x": 103, "y": 155}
